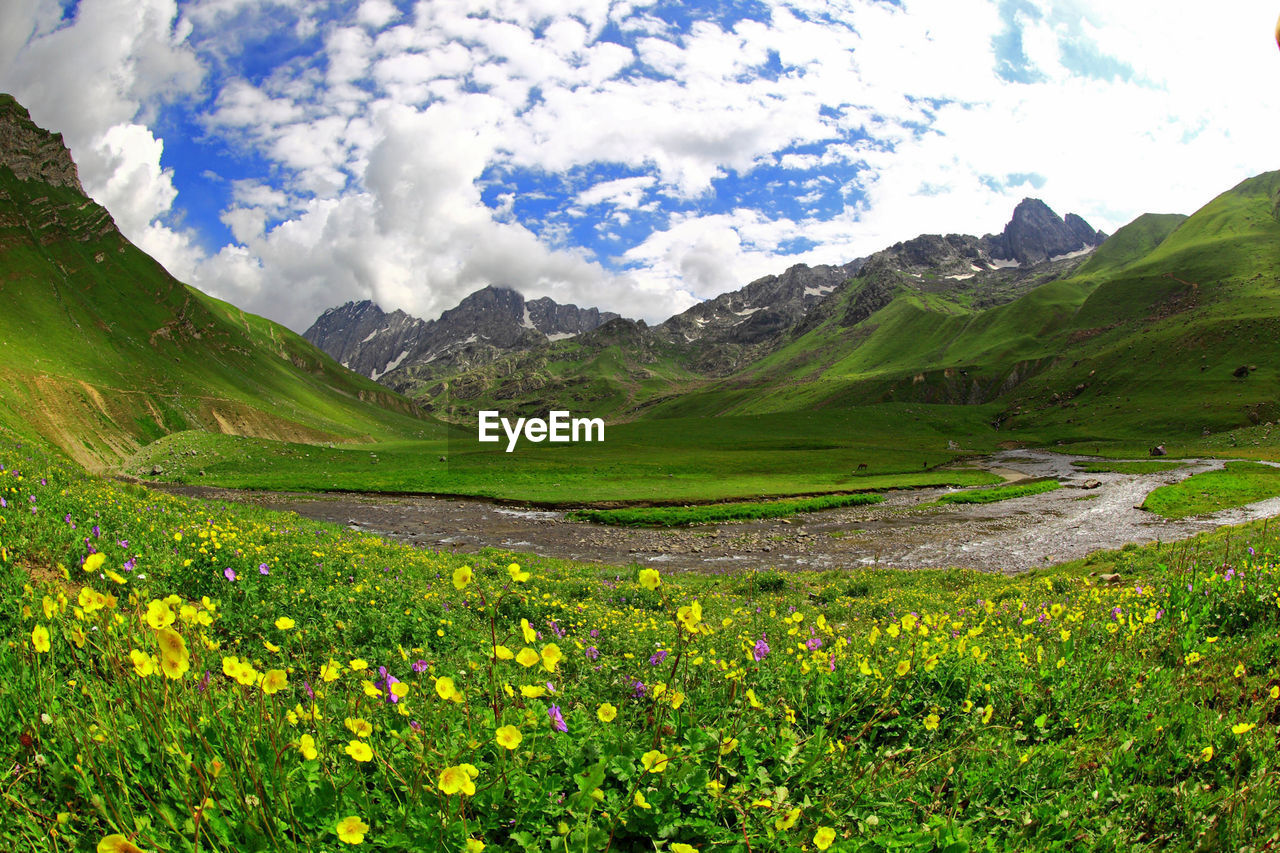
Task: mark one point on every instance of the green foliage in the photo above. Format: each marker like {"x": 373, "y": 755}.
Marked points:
{"x": 892, "y": 710}
{"x": 683, "y": 516}
{"x": 1236, "y": 484}
{"x": 999, "y": 493}
{"x": 692, "y": 459}
{"x": 1131, "y": 466}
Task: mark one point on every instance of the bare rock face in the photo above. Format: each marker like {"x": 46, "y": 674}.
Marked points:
{"x": 723, "y": 334}
{"x": 1036, "y": 233}
{"x": 489, "y": 323}
{"x": 31, "y": 152}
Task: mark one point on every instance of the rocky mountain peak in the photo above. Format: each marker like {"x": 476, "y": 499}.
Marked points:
{"x": 487, "y": 323}
{"x": 1036, "y": 233}
{"x": 31, "y": 152}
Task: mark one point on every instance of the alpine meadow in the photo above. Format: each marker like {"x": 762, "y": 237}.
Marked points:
{"x": 589, "y": 426}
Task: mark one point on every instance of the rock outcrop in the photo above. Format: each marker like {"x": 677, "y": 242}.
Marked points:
{"x": 31, "y": 152}
{"x": 1036, "y": 233}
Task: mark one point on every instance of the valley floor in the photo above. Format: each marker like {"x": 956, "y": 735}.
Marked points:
{"x": 903, "y": 532}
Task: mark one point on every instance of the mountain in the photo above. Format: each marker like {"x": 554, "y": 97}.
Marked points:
{"x": 732, "y": 329}
{"x": 395, "y": 347}
{"x": 1036, "y": 233}
{"x": 628, "y": 369}
{"x": 1168, "y": 328}
{"x": 102, "y": 351}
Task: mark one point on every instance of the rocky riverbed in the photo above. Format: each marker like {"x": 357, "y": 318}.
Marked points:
{"x": 1091, "y": 512}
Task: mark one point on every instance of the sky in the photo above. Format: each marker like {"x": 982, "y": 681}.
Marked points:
{"x": 639, "y": 157}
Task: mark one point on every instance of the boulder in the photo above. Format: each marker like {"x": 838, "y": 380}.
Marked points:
{"x": 1158, "y": 450}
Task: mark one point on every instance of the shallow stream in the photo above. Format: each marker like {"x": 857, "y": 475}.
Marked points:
{"x": 1007, "y": 536}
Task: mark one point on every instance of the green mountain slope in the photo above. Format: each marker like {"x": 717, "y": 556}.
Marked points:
{"x": 102, "y": 351}
{"x": 1153, "y": 335}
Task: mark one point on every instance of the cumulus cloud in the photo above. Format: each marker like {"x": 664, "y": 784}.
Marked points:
{"x": 94, "y": 78}
{"x": 411, "y": 156}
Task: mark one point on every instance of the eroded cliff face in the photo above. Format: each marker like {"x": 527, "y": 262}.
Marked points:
{"x": 31, "y": 152}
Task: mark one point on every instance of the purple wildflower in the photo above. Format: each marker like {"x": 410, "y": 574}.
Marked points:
{"x": 640, "y": 690}
{"x": 419, "y": 665}
{"x": 658, "y": 657}
{"x": 762, "y": 648}
{"x": 592, "y": 653}
{"x": 262, "y": 569}
{"x": 813, "y": 644}
{"x": 204, "y": 682}
{"x": 130, "y": 564}
{"x": 557, "y": 719}
{"x": 229, "y": 573}
{"x": 3, "y": 503}
{"x": 96, "y": 531}
{"x": 306, "y": 685}
{"x": 594, "y": 632}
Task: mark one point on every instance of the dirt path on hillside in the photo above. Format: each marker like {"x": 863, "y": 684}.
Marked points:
{"x": 1009, "y": 536}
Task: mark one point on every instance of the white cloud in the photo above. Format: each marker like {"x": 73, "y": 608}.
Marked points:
{"x": 625, "y": 192}
{"x": 376, "y": 14}
{"x": 92, "y": 79}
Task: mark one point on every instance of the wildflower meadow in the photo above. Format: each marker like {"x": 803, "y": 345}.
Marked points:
{"x": 179, "y": 675}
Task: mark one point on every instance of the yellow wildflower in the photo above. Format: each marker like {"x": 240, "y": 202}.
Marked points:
{"x": 359, "y": 750}
{"x": 117, "y": 843}
{"x": 461, "y": 577}
{"x": 446, "y": 690}
{"x": 142, "y": 663}
{"x": 508, "y": 737}
{"x": 351, "y": 830}
{"x": 654, "y": 761}
{"x": 458, "y": 779}
{"x": 174, "y": 658}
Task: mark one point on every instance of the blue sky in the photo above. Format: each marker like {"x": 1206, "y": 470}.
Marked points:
{"x": 290, "y": 156}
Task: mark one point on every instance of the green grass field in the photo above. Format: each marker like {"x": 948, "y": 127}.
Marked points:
{"x": 668, "y": 460}
{"x": 1237, "y": 484}
{"x": 187, "y": 675}
{"x": 684, "y": 516}
{"x": 1130, "y": 466}
{"x": 999, "y": 493}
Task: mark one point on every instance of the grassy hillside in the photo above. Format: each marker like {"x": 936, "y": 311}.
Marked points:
{"x": 1142, "y": 341}
{"x": 102, "y": 351}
